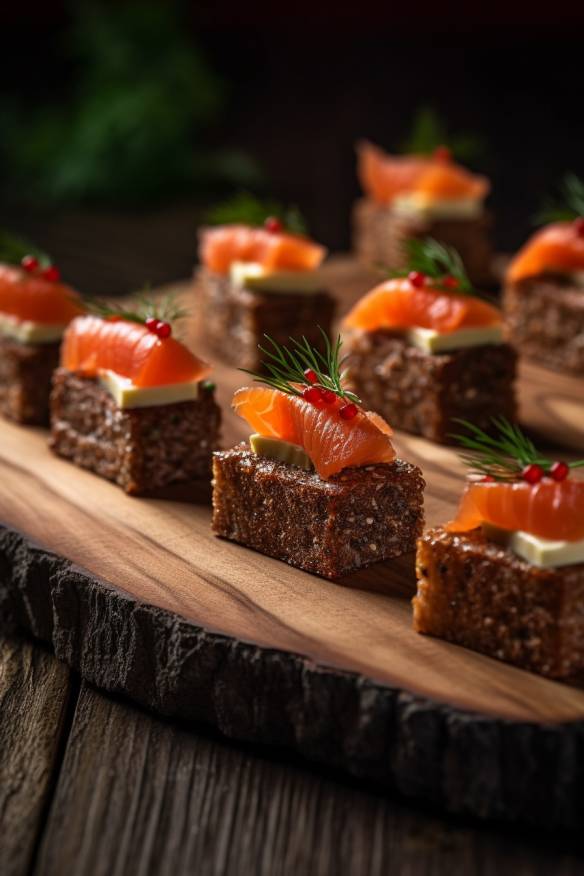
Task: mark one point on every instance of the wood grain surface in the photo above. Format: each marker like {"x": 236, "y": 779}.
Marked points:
{"x": 272, "y": 654}
{"x": 137, "y": 795}
{"x": 164, "y": 554}
{"x": 34, "y": 692}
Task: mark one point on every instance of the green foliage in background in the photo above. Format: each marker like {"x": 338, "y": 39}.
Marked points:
{"x": 13, "y": 248}
{"x": 429, "y": 131}
{"x": 569, "y": 206}
{"x": 246, "y": 209}
{"x": 134, "y": 130}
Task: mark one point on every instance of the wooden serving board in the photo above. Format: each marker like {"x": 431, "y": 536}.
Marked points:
{"x": 140, "y": 597}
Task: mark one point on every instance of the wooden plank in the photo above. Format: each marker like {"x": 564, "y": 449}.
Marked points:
{"x": 164, "y": 609}
{"x": 137, "y": 795}
{"x": 34, "y": 694}
{"x": 463, "y": 761}
{"x": 163, "y": 554}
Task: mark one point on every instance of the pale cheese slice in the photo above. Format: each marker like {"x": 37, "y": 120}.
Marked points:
{"x": 542, "y": 552}
{"x": 254, "y": 276}
{"x": 28, "y": 332}
{"x": 418, "y": 206}
{"x": 127, "y": 396}
{"x": 431, "y": 341}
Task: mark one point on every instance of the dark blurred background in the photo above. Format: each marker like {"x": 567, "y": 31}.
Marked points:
{"x": 122, "y": 122}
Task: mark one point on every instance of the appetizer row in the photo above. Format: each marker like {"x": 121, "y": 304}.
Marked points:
{"x": 417, "y": 196}
{"x": 414, "y": 340}
{"x": 425, "y": 347}
{"x": 124, "y": 397}
{"x": 319, "y": 485}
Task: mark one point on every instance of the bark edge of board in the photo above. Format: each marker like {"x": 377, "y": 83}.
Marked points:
{"x": 459, "y": 761}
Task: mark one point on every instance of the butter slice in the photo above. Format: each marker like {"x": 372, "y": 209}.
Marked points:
{"x": 127, "y": 396}
{"x": 254, "y": 276}
{"x": 28, "y": 332}
{"x": 541, "y": 552}
{"x": 419, "y": 206}
{"x": 431, "y": 341}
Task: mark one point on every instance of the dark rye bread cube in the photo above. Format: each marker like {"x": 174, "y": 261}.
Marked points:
{"x": 358, "y": 517}
{"x": 379, "y": 235}
{"x": 143, "y": 450}
{"x": 477, "y": 594}
{"x": 234, "y": 319}
{"x": 423, "y": 392}
{"x": 25, "y": 380}
{"x": 545, "y": 319}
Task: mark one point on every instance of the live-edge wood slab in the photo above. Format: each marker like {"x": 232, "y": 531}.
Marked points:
{"x": 142, "y": 599}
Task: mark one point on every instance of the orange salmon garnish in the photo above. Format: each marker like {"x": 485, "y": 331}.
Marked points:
{"x": 276, "y": 251}
{"x": 92, "y": 344}
{"x": 399, "y": 304}
{"x": 547, "y": 509}
{"x": 557, "y": 248}
{"x": 331, "y": 442}
{"x": 384, "y": 177}
{"x": 32, "y": 298}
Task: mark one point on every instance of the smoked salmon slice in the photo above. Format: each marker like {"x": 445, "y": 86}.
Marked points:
{"x": 398, "y": 304}
{"x": 549, "y": 509}
{"x": 32, "y": 298}
{"x": 384, "y": 177}
{"x": 92, "y": 344}
{"x": 221, "y": 246}
{"x": 331, "y": 442}
{"x": 558, "y": 248}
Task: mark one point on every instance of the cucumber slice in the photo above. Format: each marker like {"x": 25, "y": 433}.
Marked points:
{"x": 283, "y": 451}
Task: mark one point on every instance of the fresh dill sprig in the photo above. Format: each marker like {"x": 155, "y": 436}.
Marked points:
{"x": 503, "y": 455}
{"x": 429, "y": 132}
{"x": 437, "y": 261}
{"x": 286, "y": 367}
{"x": 143, "y": 307}
{"x": 14, "y": 248}
{"x": 569, "y": 207}
{"x": 246, "y": 209}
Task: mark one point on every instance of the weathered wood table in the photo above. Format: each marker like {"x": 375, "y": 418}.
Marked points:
{"x": 93, "y": 786}
{"x": 90, "y": 784}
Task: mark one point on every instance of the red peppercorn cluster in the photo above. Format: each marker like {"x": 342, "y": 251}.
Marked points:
{"x": 273, "y": 225}
{"x": 316, "y": 394}
{"x": 320, "y": 395}
{"x": 559, "y": 471}
{"x": 349, "y": 411}
{"x": 158, "y": 327}
{"x": 32, "y": 266}
{"x": 533, "y": 473}
{"x": 419, "y": 280}
{"x": 442, "y": 153}
{"x": 312, "y": 394}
